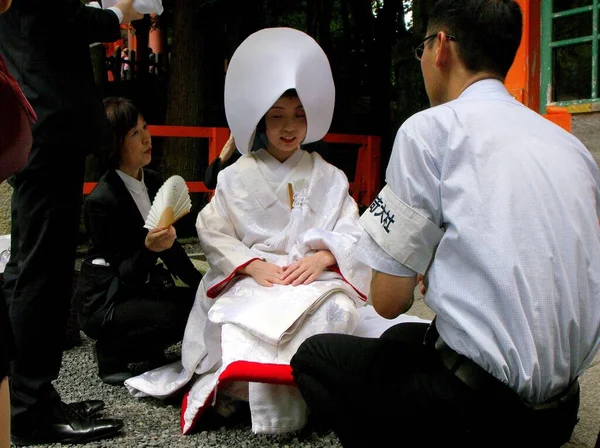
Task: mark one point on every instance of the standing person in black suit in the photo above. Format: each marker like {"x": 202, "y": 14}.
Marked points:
{"x": 128, "y": 302}
{"x": 16, "y": 116}
{"x": 46, "y": 204}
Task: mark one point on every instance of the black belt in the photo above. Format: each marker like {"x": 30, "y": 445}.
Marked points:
{"x": 558, "y": 400}
{"x": 477, "y": 378}
{"x": 462, "y": 367}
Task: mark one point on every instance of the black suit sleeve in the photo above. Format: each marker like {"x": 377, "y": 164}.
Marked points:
{"x": 117, "y": 241}
{"x": 115, "y": 227}
{"x": 97, "y": 25}
{"x": 178, "y": 262}
{"x": 212, "y": 172}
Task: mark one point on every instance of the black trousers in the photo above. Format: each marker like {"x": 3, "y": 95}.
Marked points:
{"x": 45, "y": 213}
{"x": 395, "y": 391}
{"x": 6, "y": 338}
{"x": 142, "y": 327}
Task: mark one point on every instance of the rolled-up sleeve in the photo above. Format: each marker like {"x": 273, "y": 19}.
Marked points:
{"x": 371, "y": 254}
{"x": 403, "y": 223}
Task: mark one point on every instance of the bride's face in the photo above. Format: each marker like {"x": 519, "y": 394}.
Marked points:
{"x": 286, "y": 127}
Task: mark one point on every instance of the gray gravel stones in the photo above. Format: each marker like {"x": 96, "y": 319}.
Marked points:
{"x": 150, "y": 422}
{"x": 154, "y": 423}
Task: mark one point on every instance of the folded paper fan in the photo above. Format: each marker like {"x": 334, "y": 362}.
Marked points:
{"x": 172, "y": 201}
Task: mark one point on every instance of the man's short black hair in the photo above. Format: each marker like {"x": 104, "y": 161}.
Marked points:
{"x": 488, "y": 32}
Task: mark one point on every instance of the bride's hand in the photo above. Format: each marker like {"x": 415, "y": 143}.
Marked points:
{"x": 265, "y": 274}
{"x": 308, "y": 269}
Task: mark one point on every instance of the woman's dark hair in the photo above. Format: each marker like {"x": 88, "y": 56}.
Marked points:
{"x": 262, "y": 125}
{"x": 290, "y": 93}
{"x": 487, "y": 32}
{"x": 122, "y": 115}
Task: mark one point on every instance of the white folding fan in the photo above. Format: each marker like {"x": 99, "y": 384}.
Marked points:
{"x": 172, "y": 201}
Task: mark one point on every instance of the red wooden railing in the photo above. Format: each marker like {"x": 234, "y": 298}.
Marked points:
{"x": 365, "y": 185}
{"x": 363, "y": 188}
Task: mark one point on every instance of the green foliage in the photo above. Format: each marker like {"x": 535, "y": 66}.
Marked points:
{"x": 208, "y": 3}
{"x": 378, "y": 83}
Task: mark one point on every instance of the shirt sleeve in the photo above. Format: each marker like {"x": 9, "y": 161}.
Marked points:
{"x": 405, "y": 220}
{"x": 370, "y": 253}
{"x": 413, "y": 172}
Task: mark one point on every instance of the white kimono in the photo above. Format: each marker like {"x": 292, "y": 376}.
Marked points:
{"x": 234, "y": 319}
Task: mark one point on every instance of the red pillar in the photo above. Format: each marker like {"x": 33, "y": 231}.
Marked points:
{"x": 523, "y": 79}
{"x": 131, "y": 40}
{"x": 156, "y": 39}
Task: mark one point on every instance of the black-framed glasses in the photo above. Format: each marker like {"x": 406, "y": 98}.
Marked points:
{"x": 419, "y": 49}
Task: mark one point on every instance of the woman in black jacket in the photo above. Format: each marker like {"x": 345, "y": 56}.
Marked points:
{"x": 127, "y": 301}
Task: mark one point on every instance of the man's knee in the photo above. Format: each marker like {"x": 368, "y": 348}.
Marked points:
{"x": 306, "y": 352}
{"x": 324, "y": 353}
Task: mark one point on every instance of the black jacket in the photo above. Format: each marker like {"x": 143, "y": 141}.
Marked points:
{"x": 212, "y": 172}
{"x": 46, "y": 47}
{"x": 117, "y": 233}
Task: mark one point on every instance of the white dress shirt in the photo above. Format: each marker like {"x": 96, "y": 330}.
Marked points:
{"x": 515, "y": 280}
{"x": 138, "y": 191}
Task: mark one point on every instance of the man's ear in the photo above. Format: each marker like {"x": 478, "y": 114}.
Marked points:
{"x": 442, "y": 55}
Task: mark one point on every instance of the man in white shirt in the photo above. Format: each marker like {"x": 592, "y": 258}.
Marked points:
{"x": 498, "y": 209}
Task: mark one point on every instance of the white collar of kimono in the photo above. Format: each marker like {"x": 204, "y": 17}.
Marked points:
{"x": 132, "y": 184}
{"x": 263, "y": 67}
{"x": 248, "y": 165}
{"x": 278, "y": 170}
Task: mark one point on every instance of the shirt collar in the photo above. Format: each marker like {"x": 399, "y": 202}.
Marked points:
{"x": 485, "y": 87}
{"x": 132, "y": 184}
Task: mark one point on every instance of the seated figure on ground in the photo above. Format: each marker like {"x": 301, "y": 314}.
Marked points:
{"x": 277, "y": 235}
{"x": 128, "y": 301}
{"x": 497, "y": 208}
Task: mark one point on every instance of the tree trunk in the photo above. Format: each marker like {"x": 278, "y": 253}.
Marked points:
{"x": 246, "y": 18}
{"x": 358, "y": 68}
{"x": 195, "y": 91}
{"x": 318, "y": 25}
{"x": 421, "y": 10}
{"x": 324, "y": 29}
{"x": 142, "y": 36}
{"x": 381, "y": 70}
{"x": 381, "y": 64}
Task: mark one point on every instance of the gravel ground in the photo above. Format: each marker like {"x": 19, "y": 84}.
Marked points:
{"x": 154, "y": 423}
{"x": 150, "y": 422}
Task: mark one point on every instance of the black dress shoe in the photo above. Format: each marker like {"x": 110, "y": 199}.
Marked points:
{"x": 111, "y": 369}
{"x": 73, "y": 429}
{"x": 86, "y": 408}
{"x": 115, "y": 378}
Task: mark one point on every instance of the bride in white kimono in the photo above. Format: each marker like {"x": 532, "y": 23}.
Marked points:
{"x": 277, "y": 236}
